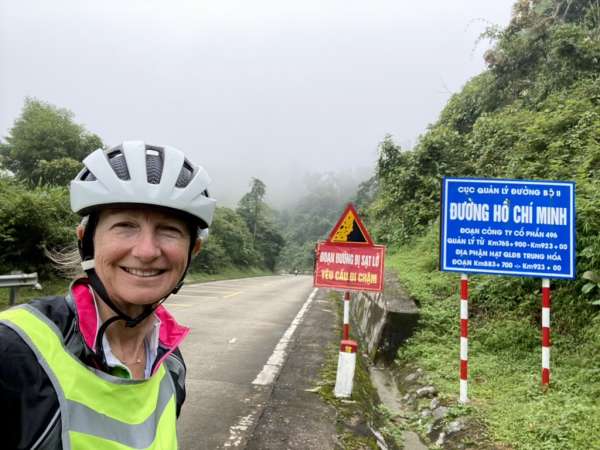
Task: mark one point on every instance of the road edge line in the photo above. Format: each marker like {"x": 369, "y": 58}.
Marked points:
{"x": 273, "y": 366}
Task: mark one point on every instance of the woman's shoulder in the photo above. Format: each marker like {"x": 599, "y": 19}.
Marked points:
{"x": 25, "y": 388}
{"x": 56, "y": 309}
{"x": 19, "y": 366}
{"x": 18, "y": 361}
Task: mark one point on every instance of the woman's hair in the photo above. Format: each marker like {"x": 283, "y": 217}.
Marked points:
{"x": 66, "y": 261}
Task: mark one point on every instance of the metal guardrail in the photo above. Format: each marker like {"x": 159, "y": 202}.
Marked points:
{"x": 16, "y": 281}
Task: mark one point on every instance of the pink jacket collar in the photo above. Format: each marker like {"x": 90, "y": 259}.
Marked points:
{"x": 171, "y": 334}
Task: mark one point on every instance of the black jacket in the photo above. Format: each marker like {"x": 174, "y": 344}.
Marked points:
{"x": 30, "y": 409}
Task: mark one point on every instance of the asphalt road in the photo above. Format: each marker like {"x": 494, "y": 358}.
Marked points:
{"x": 236, "y": 325}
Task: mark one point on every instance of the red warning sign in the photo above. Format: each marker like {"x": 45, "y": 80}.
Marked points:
{"x": 349, "y": 260}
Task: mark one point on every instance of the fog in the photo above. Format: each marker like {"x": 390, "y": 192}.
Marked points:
{"x": 264, "y": 88}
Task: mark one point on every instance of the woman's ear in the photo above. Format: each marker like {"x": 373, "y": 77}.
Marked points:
{"x": 80, "y": 230}
{"x": 197, "y": 247}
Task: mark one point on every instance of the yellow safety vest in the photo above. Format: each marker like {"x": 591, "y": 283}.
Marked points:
{"x": 98, "y": 411}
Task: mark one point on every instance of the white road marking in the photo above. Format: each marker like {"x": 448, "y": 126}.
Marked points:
{"x": 236, "y": 432}
{"x": 271, "y": 369}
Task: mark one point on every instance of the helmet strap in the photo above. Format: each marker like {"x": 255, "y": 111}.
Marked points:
{"x": 193, "y": 238}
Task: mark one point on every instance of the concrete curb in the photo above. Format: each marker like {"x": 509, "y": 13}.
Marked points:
{"x": 384, "y": 320}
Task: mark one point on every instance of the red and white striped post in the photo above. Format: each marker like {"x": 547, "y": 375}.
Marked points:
{"x": 346, "y": 326}
{"x": 464, "y": 337}
{"x": 546, "y": 332}
{"x": 347, "y": 356}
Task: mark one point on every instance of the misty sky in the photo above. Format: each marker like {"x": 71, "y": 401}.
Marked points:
{"x": 266, "y": 88}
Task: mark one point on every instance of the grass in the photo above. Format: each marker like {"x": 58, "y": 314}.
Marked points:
{"x": 59, "y": 286}
{"x": 504, "y": 360}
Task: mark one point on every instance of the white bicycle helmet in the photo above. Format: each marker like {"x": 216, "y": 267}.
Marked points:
{"x": 143, "y": 174}
{"x": 137, "y": 173}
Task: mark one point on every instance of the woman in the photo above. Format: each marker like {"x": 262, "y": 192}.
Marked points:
{"x": 100, "y": 368}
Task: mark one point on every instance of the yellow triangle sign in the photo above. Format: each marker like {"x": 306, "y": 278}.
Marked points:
{"x": 350, "y": 229}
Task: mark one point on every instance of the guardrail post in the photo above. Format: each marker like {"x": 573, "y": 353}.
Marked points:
{"x": 12, "y": 296}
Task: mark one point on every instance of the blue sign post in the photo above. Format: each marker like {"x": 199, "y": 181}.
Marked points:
{"x": 507, "y": 227}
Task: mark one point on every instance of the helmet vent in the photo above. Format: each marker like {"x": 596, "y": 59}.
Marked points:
{"x": 119, "y": 164}
{"x": 185, "y": 176}
{"x": 87, "y": 176}
{"x": 154, "y": 164}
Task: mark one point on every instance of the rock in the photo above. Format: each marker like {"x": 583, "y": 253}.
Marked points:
{"x": 426, "y": 391}
{"x": 411, "y": 378}
{"x": 429, "y": 429}
{"x": 434, "y": 403}
{"x": 354, "y": 421}
{"x": 441, "y": 439}
{"x": 455, "y": 426}
{"x": 420, "y": 371}
{"x": 409, "y": 399}
{"x": 425, "y": 413}
{"x": 440, "y": 412}
{"x": 433, "y": 429}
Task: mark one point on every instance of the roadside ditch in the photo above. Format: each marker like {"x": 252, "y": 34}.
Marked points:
{"x": 394, "y": 406}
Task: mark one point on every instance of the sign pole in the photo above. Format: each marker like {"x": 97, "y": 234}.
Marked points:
{"x": 546, "y": 333}
{"x": 348, "y": 260}
{"x": 346, "y": 326}
{"x": 464, "y": 336}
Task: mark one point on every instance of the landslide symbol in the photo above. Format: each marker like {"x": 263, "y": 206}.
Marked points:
{"x": 349, "y": 231}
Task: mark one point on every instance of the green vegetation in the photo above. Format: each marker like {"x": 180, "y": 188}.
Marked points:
{"x": 504, "y": 355}
{"x": 311, "y": 218}
{"x": 266, "y": 237}
{"x": 31, "y": 220}
{"x": 45, "y": 146}
{"x": 533, "y": 114}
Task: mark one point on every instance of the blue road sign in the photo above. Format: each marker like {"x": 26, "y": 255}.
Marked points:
{"x": 508, "y": 227}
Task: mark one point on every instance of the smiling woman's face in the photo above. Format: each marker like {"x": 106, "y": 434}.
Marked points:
{"x": 140, "y": 254}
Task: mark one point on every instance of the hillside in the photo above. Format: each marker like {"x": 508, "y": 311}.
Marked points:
{"x": 533, "y": 114}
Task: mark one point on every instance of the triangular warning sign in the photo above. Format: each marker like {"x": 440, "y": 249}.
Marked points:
{"x": 349, "y": 229}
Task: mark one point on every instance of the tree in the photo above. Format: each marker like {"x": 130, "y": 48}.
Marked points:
{"x": 45, "y": 145}
{"x": 251, "y": 204}
{"x": 259, "y": 218}
{"x": 32, "y": 220}
{"x": 57, "y": 172}
{"x": 311, "y": 218}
